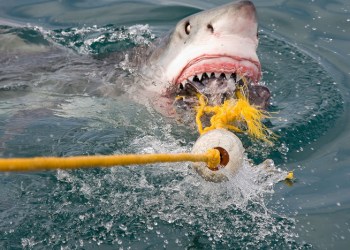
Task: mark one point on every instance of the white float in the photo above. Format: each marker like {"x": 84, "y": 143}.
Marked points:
{"x": 231, "y": 152}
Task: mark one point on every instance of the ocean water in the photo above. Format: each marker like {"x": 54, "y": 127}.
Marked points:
{"x": 64, "y": 79}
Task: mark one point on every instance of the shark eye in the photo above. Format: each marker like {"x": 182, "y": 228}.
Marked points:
{"x": 187, "y": 27}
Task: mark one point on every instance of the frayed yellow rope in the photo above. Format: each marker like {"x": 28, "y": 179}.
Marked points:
{"x": 237, "y": 115}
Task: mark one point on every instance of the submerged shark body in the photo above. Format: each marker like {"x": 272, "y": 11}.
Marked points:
{"x": 211, "y": 53}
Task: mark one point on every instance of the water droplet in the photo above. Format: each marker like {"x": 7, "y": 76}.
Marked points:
{"x": 123, "y": 227}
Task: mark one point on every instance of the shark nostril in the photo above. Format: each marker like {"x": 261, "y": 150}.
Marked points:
{"x": 210, "y": 27}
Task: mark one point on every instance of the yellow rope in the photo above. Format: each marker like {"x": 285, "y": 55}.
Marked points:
{"x": 212, "y": 158}
{"x": 237, "y": 115}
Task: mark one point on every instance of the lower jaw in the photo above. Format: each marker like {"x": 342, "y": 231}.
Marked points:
{"x": 257, "y": 95}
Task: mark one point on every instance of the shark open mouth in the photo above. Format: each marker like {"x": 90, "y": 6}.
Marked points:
{"x": 218, "y": 78}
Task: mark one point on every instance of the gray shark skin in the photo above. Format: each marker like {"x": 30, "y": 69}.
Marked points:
{"x": 209, "y": 52}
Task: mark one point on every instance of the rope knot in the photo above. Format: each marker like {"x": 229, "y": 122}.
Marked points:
{"x": 213, "y": 159}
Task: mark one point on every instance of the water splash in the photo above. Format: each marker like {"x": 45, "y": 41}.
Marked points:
{"x": 99, "y": 40}
{"x": 148, "y": 204}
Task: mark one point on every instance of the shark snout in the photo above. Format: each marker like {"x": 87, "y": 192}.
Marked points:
{"x": 233, "y": 19}
{"x": 247, "y": 8}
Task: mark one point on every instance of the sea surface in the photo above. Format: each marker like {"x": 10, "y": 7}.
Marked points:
{"x": 64, "y": 79}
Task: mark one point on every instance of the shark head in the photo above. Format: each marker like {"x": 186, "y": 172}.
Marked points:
{"x": 210, "y": 52}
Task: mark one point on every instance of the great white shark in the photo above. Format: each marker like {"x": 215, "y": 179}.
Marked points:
{"x": 209, "y": 53}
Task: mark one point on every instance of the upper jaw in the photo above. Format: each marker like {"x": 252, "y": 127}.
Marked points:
{"x": 219, "y": 64}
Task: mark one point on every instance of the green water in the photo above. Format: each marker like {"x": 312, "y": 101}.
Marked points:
{"x": 51, "y": 74}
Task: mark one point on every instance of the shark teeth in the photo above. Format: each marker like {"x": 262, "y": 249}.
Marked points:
{"x": 238, "y": 78}
{"x": 191, "y": 78}
{"x": 204, "y": 76}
